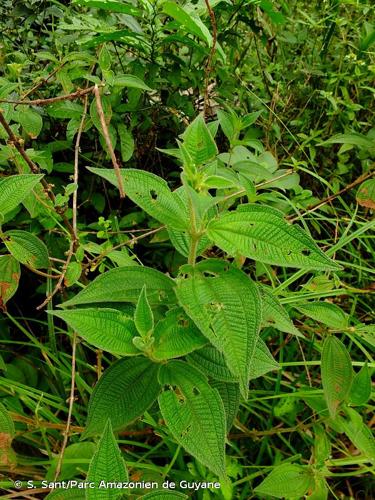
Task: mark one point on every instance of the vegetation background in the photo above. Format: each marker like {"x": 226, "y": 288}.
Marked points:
{"x": 287, "y": 89}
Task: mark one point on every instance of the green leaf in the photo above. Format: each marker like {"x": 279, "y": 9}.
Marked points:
{"x": 322, "y": 445}
{"x": 31, "y": 122}
{"x": 61, "y": 494}
{"x": 191, "y": 24}
{"x": 287, "y": 481}
{"x": 325, "y": 312}
{"x": 126, "y": 142}
{"x": 129, "y": 81}
{"x": 263, "y": 361}
{"x": 107, "y": 111}
{"x": 199, "y": 142}
{"x": 152, "y": 194}
{"x": 320, "y": 491}
{"x": 176, "y": 335}
{"x": 164, "y": 495}
{"x": 227, "y": 310}
{"x": 106, "y": 465}
{"x": 123, "y": 393}
{"x": 65, "y": 110}
{"x": 360, "y": 391}
{"x": 106, "y": 329}
{"x": 6, "y": 425}
{"x": 27, "y": 248}
{"x": 73, "y": 273}
{"x": 194, "y": 414}
{"x": 230, "y": 395}
{"x": 10, "y": 273}
{"x": 366, "y": 194}
{"x": 111, "y": 5}
{"x": 337, "y": 373}
{"x": 76, "y": 458}
{"x": 143, "y": 317}
{"x": 359, "y": 434}
{"x": 354, "y": 139}
{"x": 274, "y": 314}
{"x": 124, "y": 284}
{"x": 261, "y": 233}
{"x": 14, "y": 189}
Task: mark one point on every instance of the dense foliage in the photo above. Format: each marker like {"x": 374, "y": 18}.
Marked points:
{"x": 187, "y": 251}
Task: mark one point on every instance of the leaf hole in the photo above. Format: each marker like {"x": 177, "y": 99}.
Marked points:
{"x": 196, "y": 391}
{"x": 306, "y": 252}
{"x": 153, "y": 194}
{"x": 186, "y": 431}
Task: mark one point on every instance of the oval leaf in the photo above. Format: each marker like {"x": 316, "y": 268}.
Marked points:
{"x": 124, "y": 392}
{"x": 107, "y": 329}
{"x": 27, "y": 248}
{"x": 261, "y": 233}
{"x": 14, "y": 189}
{"x": 287, "y": 481}
{"x": 337, "y": 373}
{"x": 9, "y": 278}
{"x": 124, "y": 284}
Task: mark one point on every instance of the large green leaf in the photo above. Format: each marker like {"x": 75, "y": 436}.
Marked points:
{"x": 212, "y": 362}
{"x": 325, "y": 312}
{"x": 31, "y": 122}
{"x": 14, "y": 189}
{"x": 261, "y": 233}
{"x": 164, "y": 495}
{"x": 194, "y": 414}
{"x": 191, "y": 24}
{"x": 143, "y": 317}
{"x": 107, "y": 329}
{"x": 129, "y": 81}
{"x": 123, "y": 393}
{"x": 337, "y": 373}
{"x": 106, "y": 465}
{"x": 27, "y": 248}
{"x": 176, "y": 335}
{"x": 227, "y": 310}
{"x": 360, "y": 391}
{"x": 152, "y": 194}
{"x": 71, "y": 494}
{"x": 287, "y": 481}
{"x": 10, "y": 273}
{"x": 124, "y": 284}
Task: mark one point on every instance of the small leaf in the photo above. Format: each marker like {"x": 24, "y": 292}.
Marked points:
{"x": 123, "y": 393}
{"x": 27, "y": 248}
{"x": 322, "y": 445}
{"x": 14, "y": 189}
{"x": 227, "y": 310}
{"x": 274, "y": 314}
{"x": 176, "y": 335}
{"x": 287, "y": 481}
{"x": 320, "y": 491}
{"x": 337, "y": 373}
{"x": 126, "y": 142}
{"x": 73, "y": 273}
{"x": 143, "y": 317}
{"x": 325, "y": 312}
{"x": 263, "y": 361}
{"x": 124, "y": 284}
{"x": 194, "y": 414}
{"x": 354, "y": 139}
{"x": 261, "y": 233}
{"x": 199, "y": 142}
{"x": 366, "y": 194}
{"x": 10, "y": 273}
{"x": 152, "y": 194}
{"x": 129, "y": 81}
{"x": 107, "y": 329}
{"x": 31, "y": 122}
{"x": 106, "y": 465}
{"x": 359, "y": 434}
{"x": 360, "y": 391}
